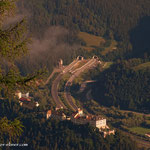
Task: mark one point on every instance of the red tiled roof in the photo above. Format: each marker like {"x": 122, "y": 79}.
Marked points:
{"x": 24, "y": 99}
{"x": 49, "y": 112}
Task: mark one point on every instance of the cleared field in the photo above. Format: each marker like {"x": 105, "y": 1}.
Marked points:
{"x": 148, "y": 121}
{"x": 142, "y": 66}
{"x": 90, "y": 40}
{"x": 93, "y": 41}
{"x": 111, "y": 48}
{"x": 107, "y": 65}
{"x": 78, "y": 80}
{"x": 139, "y": 130}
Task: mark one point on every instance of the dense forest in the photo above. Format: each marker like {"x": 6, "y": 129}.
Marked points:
{"x": 125, "y": 86}
{"x": 126, "y": 21}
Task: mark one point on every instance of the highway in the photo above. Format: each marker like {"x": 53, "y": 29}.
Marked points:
{"x": 70, "y": 66}
{"x": 55, "y": 85}
{"x": 76, "y": 73}
{"x": 51, "y": 75}
{"x": 54, "y": 92}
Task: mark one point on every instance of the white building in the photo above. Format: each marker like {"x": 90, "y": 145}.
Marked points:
{"x": 20, "y": 95}
{"x": 25, "y": 95}
{"x": 97, "y": 121}
{"x": 37, "y": 104}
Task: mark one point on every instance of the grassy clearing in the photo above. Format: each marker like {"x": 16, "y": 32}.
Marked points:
{"x": 78, "y": 79}
{"x": 139, "y": 130}
{"x": 148, "y": 121}
{"x": 107, "y": 65}
{"x": 111, "y": 48}
{"x": 142, "y": 66}
{"x": 91, "y": 40}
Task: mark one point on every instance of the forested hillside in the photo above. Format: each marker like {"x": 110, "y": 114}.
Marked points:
{"x": 126, "y": 21}
{"x": 91, "y": 16}
{"x": 125, "y": 86}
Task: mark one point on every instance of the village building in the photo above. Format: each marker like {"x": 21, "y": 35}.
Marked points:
{"x": 56, "y": 115}
{"x": 37, "y": 104}
{"x": 80, "y": 118}
{"x": 97, "y": 121}
{"x": 48, "y": 114}
{"x": 109, "y": 132}
{"x": 147, "y": 134}
{"x": 25, "y": 100}
{"x": 20, "y": 95}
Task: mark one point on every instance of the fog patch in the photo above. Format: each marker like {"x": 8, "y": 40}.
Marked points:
{"x": 46, "y": 52}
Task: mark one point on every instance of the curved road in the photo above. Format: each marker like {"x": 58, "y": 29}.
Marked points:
{"x": 51, "y": 75}
{"x": 54, "y": 89}
{"x": 76, "y": 73}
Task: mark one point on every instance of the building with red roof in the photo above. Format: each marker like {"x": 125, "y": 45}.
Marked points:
{"x": 23, "y": 99}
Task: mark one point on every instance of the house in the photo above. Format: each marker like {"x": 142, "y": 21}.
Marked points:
{"x": 21, "y": 103}
{"x": 80, "y": 118}
{"x": 147, "y": 134}
{"x": 20, "y": 95}
{"x": 48, "y": 114}
{"x": 25, "y": 95}
{"x": 23, "y": 99}
{"x": 37, "y": 104}
{"x": 97, "y": 121}
{"x": 78, "y": 114}
{"x": 109, "y": 132}
{"x": 56, "y": 115}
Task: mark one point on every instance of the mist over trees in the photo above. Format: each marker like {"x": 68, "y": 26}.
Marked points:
{"x": 125, "y": 21}
{"x": 46, "y": 52}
